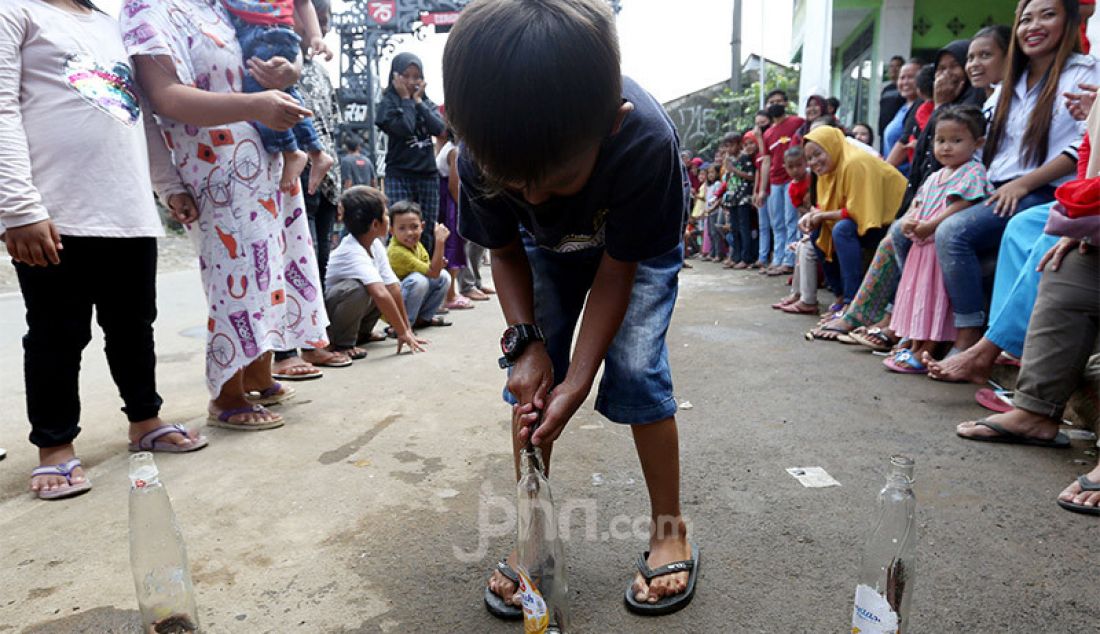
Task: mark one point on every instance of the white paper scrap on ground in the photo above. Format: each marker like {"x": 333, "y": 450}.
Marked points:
{"x": 813, "y": 477}
{"x": 686, "y": 405}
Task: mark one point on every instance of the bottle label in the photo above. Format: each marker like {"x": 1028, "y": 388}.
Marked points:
{"x": 872, "y": 614}
{"x": 536, "y": 618}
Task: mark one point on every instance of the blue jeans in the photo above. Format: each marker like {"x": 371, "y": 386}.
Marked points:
{"x": 1016, "y": 284}
{"x": 424, "y": 295}
{"x": 784, "y": 224}
{"x": 961, "y": 243}
{"x": 765, "y": 238}
{"x": 266, "y": 42}
{"x": 845, "y": 272}
{"x": 636, "y": 387}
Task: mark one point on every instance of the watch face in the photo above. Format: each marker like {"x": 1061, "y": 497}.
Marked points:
{"x": 509, "y": 340}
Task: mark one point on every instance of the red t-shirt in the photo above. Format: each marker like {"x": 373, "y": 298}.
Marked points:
{"x": 776, "y": 141}
{"x": 798, "y": 191}
{"x": 923, "y": 113}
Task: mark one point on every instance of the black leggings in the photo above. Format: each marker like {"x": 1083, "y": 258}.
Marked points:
{"x": 117, "y": 276}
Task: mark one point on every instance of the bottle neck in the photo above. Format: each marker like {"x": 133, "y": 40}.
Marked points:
{"x": 531, "y": 459}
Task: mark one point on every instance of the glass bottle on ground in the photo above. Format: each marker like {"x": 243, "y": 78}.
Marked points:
{"x": 158, "y": 556}
{"x": 541, "y": 556}
{"x": 888, "y": 564}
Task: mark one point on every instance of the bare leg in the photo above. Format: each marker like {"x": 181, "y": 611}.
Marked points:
{"x": 659, "y": 453}
{"x": 319, "y": 165}
{"x": 974, "y": 364}
{"x": 293, "y": 164}
{"x": 967, "y": 337}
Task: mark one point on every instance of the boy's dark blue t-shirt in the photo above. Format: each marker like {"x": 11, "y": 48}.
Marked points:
{"x": 633, "y": 205}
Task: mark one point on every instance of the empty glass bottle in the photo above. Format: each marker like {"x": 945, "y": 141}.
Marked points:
{"x": 157, "y": 554}
{"x": 888, "y": 563}
{"x": 541, "y": 565}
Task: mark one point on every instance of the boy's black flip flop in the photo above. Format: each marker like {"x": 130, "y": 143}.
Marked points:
{"x": 495, "y": 603}
{"x": 667, "y": 605}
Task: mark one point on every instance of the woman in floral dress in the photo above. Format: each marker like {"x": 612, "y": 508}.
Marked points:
{"x": 258, "y": 264}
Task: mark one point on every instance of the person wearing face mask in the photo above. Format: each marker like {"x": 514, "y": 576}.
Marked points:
{"x": 410, "y": 120}
{"x": 781, "y": 213}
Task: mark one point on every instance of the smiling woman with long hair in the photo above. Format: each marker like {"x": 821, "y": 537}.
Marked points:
{"x": 1030, "y": 148}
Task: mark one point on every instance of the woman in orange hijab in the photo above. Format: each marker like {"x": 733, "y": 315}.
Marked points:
{"x": 858, "y": 196}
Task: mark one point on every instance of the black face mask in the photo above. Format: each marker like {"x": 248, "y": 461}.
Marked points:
{"x": 777, "y": 110}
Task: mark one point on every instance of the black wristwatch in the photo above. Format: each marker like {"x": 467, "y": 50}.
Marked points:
{"x": 515, "y": 340}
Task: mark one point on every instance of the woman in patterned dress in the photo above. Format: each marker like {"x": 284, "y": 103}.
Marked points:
{"x": 257, "y": 260}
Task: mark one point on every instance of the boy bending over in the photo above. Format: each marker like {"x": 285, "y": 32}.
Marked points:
{"x": 571, "y": 175}
{"x": 360, "y": 286}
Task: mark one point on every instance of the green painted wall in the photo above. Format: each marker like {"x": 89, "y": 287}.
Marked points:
{"x": 937, "y": 22}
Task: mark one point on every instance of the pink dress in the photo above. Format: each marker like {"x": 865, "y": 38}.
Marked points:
{"x": 922, "y": 308}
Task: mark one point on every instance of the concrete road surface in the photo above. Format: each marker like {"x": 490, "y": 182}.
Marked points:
{"x": 383, "y": 502}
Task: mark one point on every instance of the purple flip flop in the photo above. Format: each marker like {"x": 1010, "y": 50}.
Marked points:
{"x": 222, "y": 419}
{"x": 152, "y": 441}
{"x": 65, "y": 469}
{"x": 273, "y": 395}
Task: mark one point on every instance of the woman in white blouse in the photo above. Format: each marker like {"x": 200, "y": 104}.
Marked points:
{"x": 1030, "y": 149}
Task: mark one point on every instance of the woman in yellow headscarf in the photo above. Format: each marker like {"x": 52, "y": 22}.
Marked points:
{"x": 858, "y": 196}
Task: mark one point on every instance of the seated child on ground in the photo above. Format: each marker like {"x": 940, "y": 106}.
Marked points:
{"x": 424, "y": 278}
{"x": 360, "y": 286}
{"x": 265, "y": 29}
{"x": 922, "y": 308}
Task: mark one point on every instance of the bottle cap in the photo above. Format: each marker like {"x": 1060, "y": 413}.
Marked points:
{"x": 143, "y": 470}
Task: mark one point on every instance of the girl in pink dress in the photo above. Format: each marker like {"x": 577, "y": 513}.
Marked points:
{"x": 922, "y": 308}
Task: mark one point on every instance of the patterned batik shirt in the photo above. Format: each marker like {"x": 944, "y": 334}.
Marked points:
{"x": 319, "y": 97}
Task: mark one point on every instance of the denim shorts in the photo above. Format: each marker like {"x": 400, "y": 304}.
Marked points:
{"x": 636, "y": 387}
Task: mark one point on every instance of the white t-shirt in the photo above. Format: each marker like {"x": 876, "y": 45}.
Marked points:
{"x": 350, "y": 261}
{"x": 443, "y": 159}
{"x": 72, "y": 136}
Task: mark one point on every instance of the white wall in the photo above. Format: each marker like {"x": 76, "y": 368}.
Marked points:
{"x": 817, "y": 50}
{"x": 895, "y": 37}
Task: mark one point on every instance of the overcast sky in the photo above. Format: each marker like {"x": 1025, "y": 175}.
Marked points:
{"x": 671, "y": 47}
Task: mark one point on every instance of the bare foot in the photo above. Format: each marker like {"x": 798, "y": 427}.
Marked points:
{"x": 503, "y": 586}
{"x": 973, "y": 364}
{"x": 1074, "y": 495}
{"x": 664, "y": 550}
{"x": 137, "y": 430}
{"x": 50, "y": 456}
{"x": 1017, "y": 421}
{"x": 319, "y": 165}
{"x": 295, "y": 367}
{"x": 327, "y": 358}
{"x": 256, "y": 414}
{"x": 293, "y": 164}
